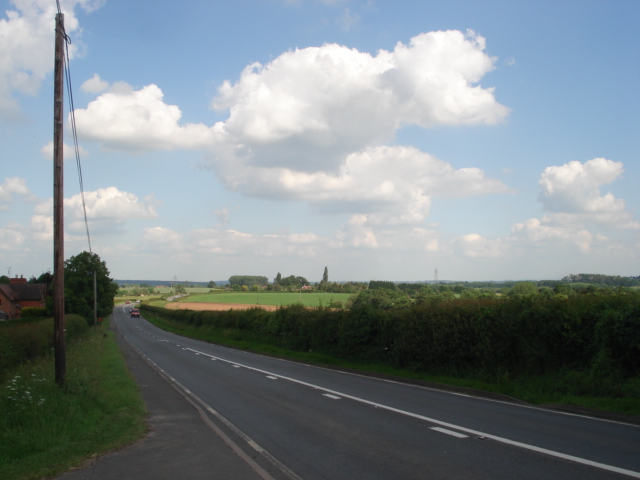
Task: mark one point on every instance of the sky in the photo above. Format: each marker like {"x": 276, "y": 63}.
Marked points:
{"x": 385, "y": 140}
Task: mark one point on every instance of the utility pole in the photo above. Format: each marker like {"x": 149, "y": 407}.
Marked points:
{"x": 58, "y": 208}
{"x": 95, "y": 302}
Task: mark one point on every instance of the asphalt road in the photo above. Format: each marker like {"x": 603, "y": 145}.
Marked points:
{"x": 316, "y": 423}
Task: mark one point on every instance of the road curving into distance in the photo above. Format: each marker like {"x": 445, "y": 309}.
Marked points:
{"x": 316, "y": 423}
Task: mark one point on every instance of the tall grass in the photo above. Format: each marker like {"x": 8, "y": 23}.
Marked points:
{"x": 45, "y": 429}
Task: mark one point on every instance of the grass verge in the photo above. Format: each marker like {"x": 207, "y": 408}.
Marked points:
{"x": 559, "y": 388}
{"x": 46, "y": 430}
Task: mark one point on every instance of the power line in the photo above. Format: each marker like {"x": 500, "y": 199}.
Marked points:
{"x": 67, "y": 71}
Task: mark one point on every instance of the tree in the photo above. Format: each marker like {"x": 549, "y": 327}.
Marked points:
{"x": 524, "y": 288}
{"x": 293, "y": 282}
{"x": 45, "y": 278}
{"x": 211, "y": 284}
{"x": 325, "y": 276}
{"x": 78, "y": 282}
{"x": 378, "y": 284}
{"x": 248, "y": 280}
{"x": 278, "y": 279}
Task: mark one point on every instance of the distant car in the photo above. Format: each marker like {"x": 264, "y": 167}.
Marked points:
{"x": 137, "y": 301}
{"x": 128, "y": 302}
{"x": 135, "y": 312}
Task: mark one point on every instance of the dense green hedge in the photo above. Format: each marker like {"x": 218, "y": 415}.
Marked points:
{"x": 518, "y": 335}
{"x": 25, "y": 339}
{"x": 33, "y": 312}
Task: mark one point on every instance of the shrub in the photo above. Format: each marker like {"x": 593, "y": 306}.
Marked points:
{"x": 31, "y": 312}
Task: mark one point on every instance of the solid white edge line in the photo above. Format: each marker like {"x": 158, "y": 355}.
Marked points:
{"x": 514, "y": 443}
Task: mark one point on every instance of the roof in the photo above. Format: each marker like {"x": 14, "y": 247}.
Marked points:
{"x": 29, "y": 291}
{"x": 8, "y": 291}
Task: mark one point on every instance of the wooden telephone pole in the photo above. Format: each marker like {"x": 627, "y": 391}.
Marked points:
{"x": 58, "y": 208}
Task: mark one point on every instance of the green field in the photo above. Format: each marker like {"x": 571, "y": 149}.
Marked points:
{"x": 313, "y": 299}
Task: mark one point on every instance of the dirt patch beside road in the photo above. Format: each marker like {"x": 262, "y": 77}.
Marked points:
{"x": 216, "y": 306}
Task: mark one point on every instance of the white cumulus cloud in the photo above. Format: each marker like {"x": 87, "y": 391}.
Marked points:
{"x": 12, "y": 186}
{"x": 577, "y": 211}
{"x": 95, "y": 85}
{"x": 138, "y": 120}
{"x": 571, "y": 193}
{"x": 395, "y": 182}
{"x": 309, "y": 108}
{"x": 27, "y": 44}
{"x": 312, "y": 125}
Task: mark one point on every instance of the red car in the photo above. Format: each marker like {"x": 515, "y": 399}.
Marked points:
{"x": 135, "y": 312}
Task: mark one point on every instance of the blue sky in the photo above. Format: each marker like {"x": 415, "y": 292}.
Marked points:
{"x": 490, "y": 140}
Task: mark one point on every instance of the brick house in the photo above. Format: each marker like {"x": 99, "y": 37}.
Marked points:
{"x": 19, "y": 294}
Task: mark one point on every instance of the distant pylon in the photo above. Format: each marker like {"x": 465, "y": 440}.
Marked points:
{"x": 435, "y": 280}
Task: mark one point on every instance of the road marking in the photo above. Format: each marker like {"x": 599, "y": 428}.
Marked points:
{"x": 449, "y": 432}
{"x": 236, "y": 366}
{"x": 335, "y": 397}
{"x": 470, "y": 431}
{"x": 272, "y": 377}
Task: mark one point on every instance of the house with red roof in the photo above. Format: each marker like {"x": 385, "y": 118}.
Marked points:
{"x": 19, "y": 294}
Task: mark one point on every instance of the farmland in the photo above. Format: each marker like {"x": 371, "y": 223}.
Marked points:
{"x": 310, "y": 299}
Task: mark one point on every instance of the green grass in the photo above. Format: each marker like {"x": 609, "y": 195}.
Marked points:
{"x": 561, "y": 388}
{"x": 311, "y": 299}
{"x": 45, "y": 429}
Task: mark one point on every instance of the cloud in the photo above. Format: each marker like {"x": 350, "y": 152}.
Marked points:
{"x": 477, "y": 246}
{"x": 107, "y": 210}
{"x": 201, "y": 243}
{"x": 311, "y": 125}
{"x": 68, "y": 152}
{"x": 161, "y": 239}
{"x": 347, "y": 20}
{"x": 26, "y": 49}
{"x": 95, "y": 85}
{"x": 11, "y": 238}
{"x": 540, "y": 234}
{"x": 222, "y": 215}
{"x": 395, "y": 182}
{"x": 42, "y": 227}
{"x": 12, "y": 186}
{"x": 138, "y": 120}
{"x": 577, "y": 210}
{"x": 571, "y": 192}
{"x": 309, "y": 108}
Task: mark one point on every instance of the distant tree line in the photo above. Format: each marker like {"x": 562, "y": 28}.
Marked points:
{"x": 247, "y": 280}
{"x": 609, "y": 280}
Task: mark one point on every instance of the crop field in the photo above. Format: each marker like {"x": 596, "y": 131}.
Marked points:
{"x": 191, "y": 290}
{"x": 313, "y": 299}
